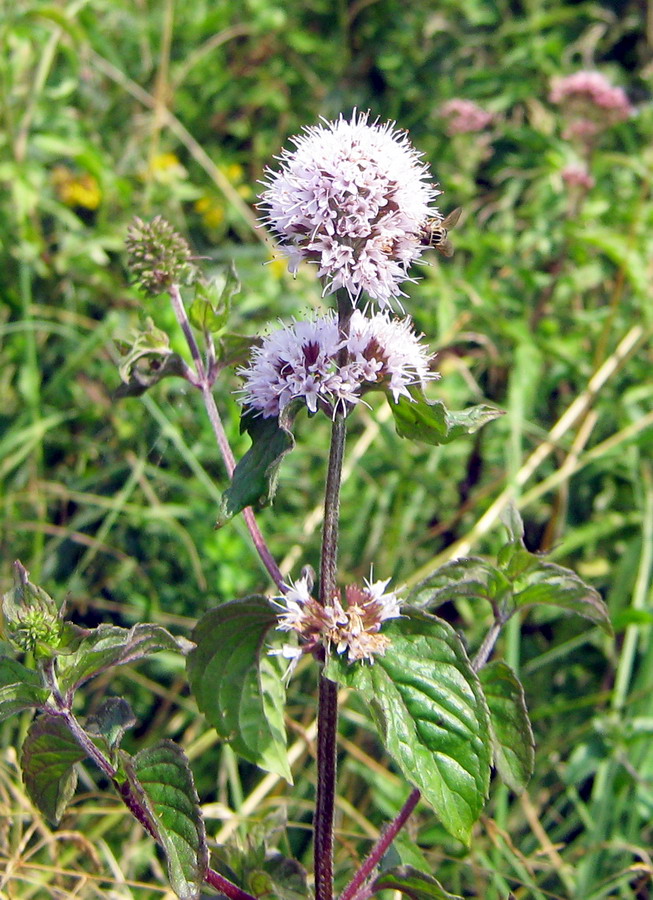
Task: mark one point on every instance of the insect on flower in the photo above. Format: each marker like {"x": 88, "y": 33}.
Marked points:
{"x": 435, "y": 232}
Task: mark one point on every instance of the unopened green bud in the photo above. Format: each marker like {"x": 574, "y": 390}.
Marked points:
{"x": 31, "y": 619}
{"x": 158, "y": 255}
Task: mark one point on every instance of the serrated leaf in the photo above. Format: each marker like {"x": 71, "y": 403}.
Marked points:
{"x": 14, "y": 698}
{"x": 47, "y": 760}
{"x": 110, "y": 645}
{"x": 510, "y": 728}
{"x": 237, "y": 685}
{"x": 254, "y": 481}
{"x": 469, "y": 577}
{"x": 162, "y": 779}
{"x": 553, "y": 585}
{"x": 430, "y": 420}
{"x": 431, "y": 714}
{"x": 415, "y": 884}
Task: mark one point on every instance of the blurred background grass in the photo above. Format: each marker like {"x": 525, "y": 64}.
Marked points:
{"x": 112, "y": 109}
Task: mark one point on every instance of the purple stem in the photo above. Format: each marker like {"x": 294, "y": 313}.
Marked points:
{"x": 127, "y": 794}
{"x": 355, "y": 889}
{"x": 205, "y": 383}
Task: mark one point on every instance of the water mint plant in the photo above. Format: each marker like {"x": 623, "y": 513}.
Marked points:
{"x": 351, "y": 200}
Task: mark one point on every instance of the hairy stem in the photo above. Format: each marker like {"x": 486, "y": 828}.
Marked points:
{"x": 351, "y": 892}
{"x": 327, "y": 716}
{"x": 204, "y": 381}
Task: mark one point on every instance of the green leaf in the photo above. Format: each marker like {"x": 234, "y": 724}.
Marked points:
{"x": 510, "y": 728}
{"x": 254, "y": 481}
{"x": 555, "y": 585}
{"x": 209, "y": 311}
{"x": 469, "y": 577}
{"x": 14, "y": 698}
{"x": 237, "y": 685}
{"x": 519, "y": 579}
{"x": 146, "y": 359}
{"x": 48, "y": 757}
{"x": 162, "y": 779}
{"x": 111, "y": 720}
{"x": 430, "y": 420}
{"x": 415, "y": 884}
{"x": 431, "y": 714}
{"x": 109, "y": 645}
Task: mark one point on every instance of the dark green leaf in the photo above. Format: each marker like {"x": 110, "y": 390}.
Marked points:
{"x": 472, "y": 577}
{"x": 431, "y": 714}
{"x": 161, "y": 778}
{"x": 430, "y": 420}
{"x": 233, "y": 349}
{"x": 112, "y": 719}
{"x": 254, "y": 480}
{"x": 415, "y": 884}
{"x": 14, "y": 698}
{"x": 13, "y": 672}
{"x": 48, "y": 757}
{"x": 109, "y": 645}
{"x": 237, "y": 685}
{"x": 510, "y": 728}
{"x": 556, "y": 586}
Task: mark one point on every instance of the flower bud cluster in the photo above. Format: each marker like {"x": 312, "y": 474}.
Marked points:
{"x": 158, "y": 255}
{"x": 351, "y": 627}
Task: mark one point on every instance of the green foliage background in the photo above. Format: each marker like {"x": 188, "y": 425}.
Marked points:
{"x": 112, "y": 109}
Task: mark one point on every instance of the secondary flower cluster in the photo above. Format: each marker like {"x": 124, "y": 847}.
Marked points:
{"x": 309, "y": 360}
{"x": 352, "y": 198}
{"x": 464, "y": 116}
{"x": 592, "y": 103}
{"x": 352, "y": 627}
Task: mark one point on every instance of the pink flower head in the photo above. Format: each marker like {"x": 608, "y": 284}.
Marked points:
{"x": 352, "y": 198}
{"x": 312, "y": 362}
{"x": 464, "y": 116}
{"x": 592, "y": 102}
{"x": 576, "y": 175}
{"x": 352, "y": 627}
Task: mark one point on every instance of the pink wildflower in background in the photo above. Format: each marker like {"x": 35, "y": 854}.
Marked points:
{"x": 577, "y": 175}
{"x": 351, "y": 198}
{"x": 305, "y": 361}
{"x": 464, "y": 116}
{"x": 591, "y": 102}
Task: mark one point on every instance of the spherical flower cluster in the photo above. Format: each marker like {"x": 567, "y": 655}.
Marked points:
{"x": 352, "y": 627}
{"x": 312, "y": 362}
{"x": 351, "y": 198}
{"x": 591, "y": 101}
{"x": 464, "y": 116}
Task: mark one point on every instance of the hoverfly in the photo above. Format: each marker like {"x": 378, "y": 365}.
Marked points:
{"x": 435, "y": 232}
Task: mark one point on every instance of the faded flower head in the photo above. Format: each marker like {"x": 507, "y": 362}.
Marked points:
{"x": 158, "y": 256}
{"x": 592, "y": 103}
{"x": 351, "y": 627}
{"x": 464, "y": 116}
{"x": 311, "y": 361}
{"x": 351, "y": 198}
